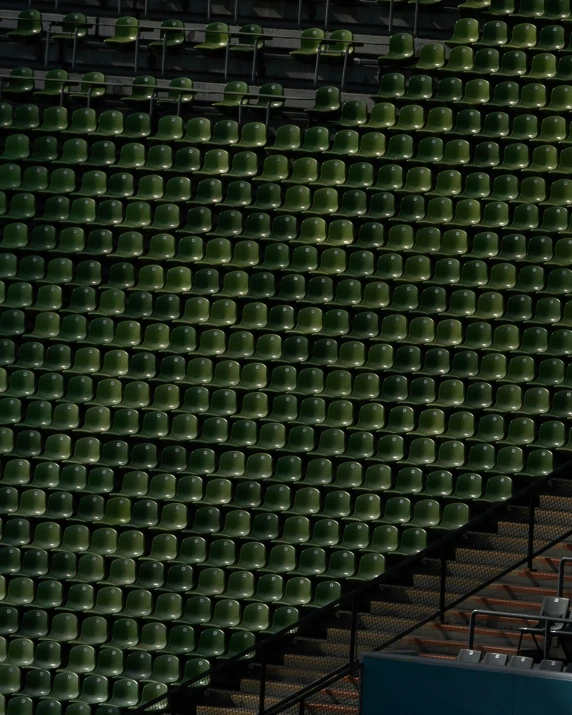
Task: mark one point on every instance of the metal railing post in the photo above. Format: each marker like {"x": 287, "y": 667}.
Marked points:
{"x": 442, "y": 586}
{"x": 345, "y": 68}
{"x": 209, "y": 10}
{"x": 300, "y": 12}
{"x": 391, "y": 8}
{"x": 416, "y": 18}
{"x": 226, "y": 60}
{"x": 74, "y": 48}
{"x": 353, "y": 632}
{"x": 547, "y": 639}
{"x": 317, "y": 67}
{"x": 254, "y": 58}
{"x": 164, "y": 55}
{"x": 561, "y": 567}
{"x": 262, "y": 680}
{"x": 47, "y": 52}
{"x": 530, "y": 547}
{"x": 136, "y": 58}
{"x": 327, "y": 14}
{"x": 236, "y": 12}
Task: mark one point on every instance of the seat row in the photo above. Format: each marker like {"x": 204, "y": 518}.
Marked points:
{"x": 63, "y": 687}
{"x": 204, "y": 372}
{"x": 173, "y": 36}
{"x": 314, "y": 412}
{"x": 114, "y": 125}
{"x": 538, "y": 9}
{"x": 516, "y": 156}
{"x": 151, "y": 188}
{"x": 288, "y": 532}
{"x": 427, "y": 241}
{"x": 470, "y": 32}
{"x": 273, "y": 436}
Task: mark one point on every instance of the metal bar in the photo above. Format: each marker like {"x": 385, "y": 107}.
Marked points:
{"x": 442, "y": 586}
{"x": 179, "y": 103}
{"x": 119, "y": 7}
{"x": 47, "y": 52}
{"x": 353, "y": 632}
{"x": 416, "y": 18}
{"x": 74, "y": 48}
{"x": 391, "y": 8}
{"x": 254, "y": 58}
{"x": 345, "y": 67}
{"x": 547, "y": 639}
{"x": 226, "y": 60}
{"x": 318, "y": 53}
{"x": 136, "y": 59}
{"x": 262, "y": 680}
{"x": 145, "y": 8}
{"x": 209, "y": 9}
{"x": 302, "y": 707}
{"x": 268, "y": 113}
{"x": 240, "y": 113}
{"x": 516, "y": 616}
{"x": 236, "y": 12}
{"x": 530, "y": 547}
{"x": 563, "y": 561}
{"x": 327, "y": 14}
{"x": 300, "y": 12}
{"x": 164, "y": 55}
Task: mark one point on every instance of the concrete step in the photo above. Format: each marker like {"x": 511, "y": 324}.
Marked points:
{"x": 345, "y": 689}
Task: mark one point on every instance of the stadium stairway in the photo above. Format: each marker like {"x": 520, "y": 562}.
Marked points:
{"x": 520, "y": 590}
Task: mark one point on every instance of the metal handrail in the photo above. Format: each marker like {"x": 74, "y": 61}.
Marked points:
{"x": 439, "y": 549}
{"x": 547, "y": 620}
{"x": 561, "y": 566}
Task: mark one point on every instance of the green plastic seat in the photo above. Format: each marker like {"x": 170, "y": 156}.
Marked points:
{"x": 217, "y": 37}
{"x": 311, "y": 41}
{"x": 401, "y": 47}
{"x": 28, "y": 26}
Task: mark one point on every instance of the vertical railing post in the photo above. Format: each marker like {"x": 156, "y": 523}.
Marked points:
{"x": 302, "y": 707}
{"x": 226, "y": 59}
{"x": 530, "y": 549}
{"x": 547, "y": 639}
{"x": 354, "y": 627}
{"x": 416, "y": 18}
{"x": 317, "y": 67}
{"x": 327, "y": 14}
{"x": 391, "y": 8}
{"x": 300, "y": 12}
{"x": 254, "y": 58}
{"x": 345, "y": 68}
{"x": 136, "y": 58}
{"x": 74, "y": 49}
{"x": 262, "y": 680}
{"x": 47, "y": 52}
{"x": 164, "y": 54}
{"x": 442, "y": 586}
